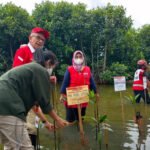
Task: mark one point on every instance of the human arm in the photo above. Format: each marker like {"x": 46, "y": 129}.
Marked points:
{"x": 22, "y": 56}
{"x": 92, "y": 84}
{"x": 147, "y": 75}
{"x": 93, "y": 87}
{"x": 59, "y": 121}
{"x": 37, "y": 110}
{"x": 64, "y": 85}
{"x": 19, "y": 58}
{"x": 41, "y": 89}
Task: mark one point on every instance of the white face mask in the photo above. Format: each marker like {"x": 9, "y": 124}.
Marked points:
{"x": 78, "y": 61}
{"x": 50, "y": 70}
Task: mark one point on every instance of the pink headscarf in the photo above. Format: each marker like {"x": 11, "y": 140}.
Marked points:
{"x": 78, "y": 67}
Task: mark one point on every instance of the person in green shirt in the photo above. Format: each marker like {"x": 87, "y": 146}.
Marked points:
{"x": 21, "y": 88}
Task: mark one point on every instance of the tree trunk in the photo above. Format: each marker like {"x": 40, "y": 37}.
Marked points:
{"x": 11, "y": 51}
{"x": 92, "y": 57}
{"x": 105, "y": 57}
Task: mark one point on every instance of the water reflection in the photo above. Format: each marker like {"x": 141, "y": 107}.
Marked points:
{"x": 138, "y": 135}
{"x": 133, "y": 135}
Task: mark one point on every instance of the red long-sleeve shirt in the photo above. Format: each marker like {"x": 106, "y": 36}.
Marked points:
{"x": 23, "y": 56}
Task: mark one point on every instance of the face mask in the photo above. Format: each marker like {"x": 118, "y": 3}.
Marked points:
{"x": 78, "y": 61}
{"x": 50, "y": 70}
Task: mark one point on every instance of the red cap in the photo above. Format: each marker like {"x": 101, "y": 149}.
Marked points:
{"x": 42, "y": 31}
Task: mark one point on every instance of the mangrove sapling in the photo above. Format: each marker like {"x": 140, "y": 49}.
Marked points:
{"x": 102, "y": 125}
{"x": 38, "y": 140}
{"x": 55, "y": 106}
{"x": 39, "y": 124}
{"x": 102, "y": 121}
{"x": 94, "y": 100}
{"x": 98, "y": 120}
{"x": 133, "y": 99}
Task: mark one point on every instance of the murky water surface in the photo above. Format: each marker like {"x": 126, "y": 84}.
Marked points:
{"x": 122, "y": 132}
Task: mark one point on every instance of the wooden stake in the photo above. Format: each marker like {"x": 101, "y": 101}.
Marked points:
{"x": 122, "y": 108}
{"x": 82, "y": 136}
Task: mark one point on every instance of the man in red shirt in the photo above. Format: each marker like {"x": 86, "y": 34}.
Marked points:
{"x": 26, "y": 54}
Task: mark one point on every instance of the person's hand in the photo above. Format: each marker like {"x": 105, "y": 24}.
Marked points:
{"x": 62, "y": 98}
{"x": 53, "y": 79}
{"x": 61, "y": 123}
{"x": 49, "y": 126}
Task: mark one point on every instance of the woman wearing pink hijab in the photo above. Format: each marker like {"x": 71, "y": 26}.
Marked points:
{"x": 77, "y": 74}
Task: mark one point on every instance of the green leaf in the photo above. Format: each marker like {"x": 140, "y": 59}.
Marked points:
{"x": 91, "y": 94}
{"x": 102, "y": 118}
{"x": 132, "y": 98}
{"x": 89, "y": 118}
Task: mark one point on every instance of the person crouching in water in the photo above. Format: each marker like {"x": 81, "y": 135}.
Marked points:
{"x": 21, "y": 88}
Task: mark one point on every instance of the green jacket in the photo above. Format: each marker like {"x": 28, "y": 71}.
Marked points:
{"x": 21, "y": 87}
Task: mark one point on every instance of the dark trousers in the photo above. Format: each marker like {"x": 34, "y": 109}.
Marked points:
{"x": 72, "y": 114}
{"x": 142, "y": 94}
{"x": 33, "y": 140}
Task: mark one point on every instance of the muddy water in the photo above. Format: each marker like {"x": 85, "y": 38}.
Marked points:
{"x": 122, "y": 133}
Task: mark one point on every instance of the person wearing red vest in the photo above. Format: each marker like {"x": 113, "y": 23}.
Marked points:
{"x": 140, "y": 82}
{"x": 76, "y": 75}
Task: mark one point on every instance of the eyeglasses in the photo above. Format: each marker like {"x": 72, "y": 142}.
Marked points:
{"x": 39, "y": 38}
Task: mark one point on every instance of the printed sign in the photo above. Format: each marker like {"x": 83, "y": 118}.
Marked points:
{"x": 77, "y": 95}
{"x": 119, "y": 83}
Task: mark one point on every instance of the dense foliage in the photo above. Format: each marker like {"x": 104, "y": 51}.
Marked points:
{"x": 106, "y": 36}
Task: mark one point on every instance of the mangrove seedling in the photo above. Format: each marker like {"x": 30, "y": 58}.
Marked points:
{"x": 133, "y": 99}
{"x": 102, "y": 126}
{"x": 98, "y": 119}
